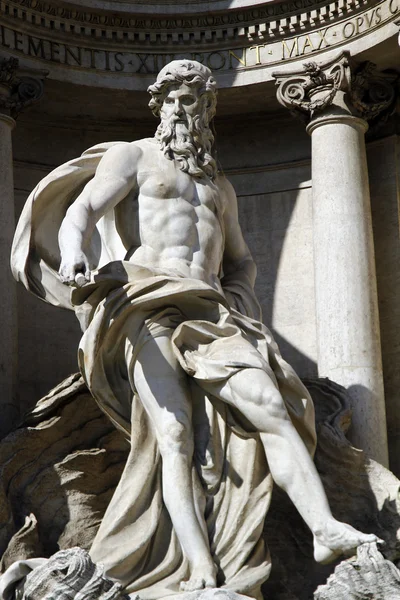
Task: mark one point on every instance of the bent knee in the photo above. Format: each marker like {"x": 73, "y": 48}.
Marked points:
{"x": 175, "y": 437}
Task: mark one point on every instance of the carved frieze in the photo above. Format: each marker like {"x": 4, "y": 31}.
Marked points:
{"x": 17, "y": 91}
{"x": 259, "y": 23}
{"x": 289, "y": 15}
{"x": 76, "y": 41}
{"x": 368, "y": 94}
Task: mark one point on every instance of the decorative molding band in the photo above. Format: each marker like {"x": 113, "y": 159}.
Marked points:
{"x": 133, "y": 51}
{"x": 258, "y": 24}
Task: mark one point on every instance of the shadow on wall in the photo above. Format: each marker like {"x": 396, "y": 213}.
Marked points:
{"x": 278, "y": 229}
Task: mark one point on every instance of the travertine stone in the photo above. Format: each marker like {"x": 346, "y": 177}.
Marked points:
{"x": 8, "y": 308}
{"x": 367, "y": 576}
{"x": 334, "y": 101}
{"x": 70, "y": 574}
{"x": 209, "y": 594}
{"x": 360, "y": 491}
{"x": 18, "y": 91}
{"x": 147, "y": 236}
{"x": 67, "y": 435}
{"x": 383, "y": 163}
{"x": 15, "y": 93}
{"x": 349, "y": 350}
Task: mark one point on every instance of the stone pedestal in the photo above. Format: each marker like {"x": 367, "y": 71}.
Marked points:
{"x": 332, "y": 99}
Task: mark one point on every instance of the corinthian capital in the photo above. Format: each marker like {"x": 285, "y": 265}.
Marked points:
{"x": 17, "y": 91}
{"x": 339, "y": 86}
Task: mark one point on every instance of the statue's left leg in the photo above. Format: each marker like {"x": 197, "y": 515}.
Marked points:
{"x": 255, "y": 395}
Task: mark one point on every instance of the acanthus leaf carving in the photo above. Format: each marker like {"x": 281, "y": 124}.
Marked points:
{"x": 374, "y": 94}
{"x": 17, "y": 91}
{"x": 310, "y": 92}
{"x": 368, "y": 94}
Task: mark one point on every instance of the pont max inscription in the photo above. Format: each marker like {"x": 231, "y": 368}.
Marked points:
{"x": 257, "y": 54}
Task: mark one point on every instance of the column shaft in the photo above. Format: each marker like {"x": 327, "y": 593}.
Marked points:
{"x": 349, "y": 349}
{"x": 8, "y": 303}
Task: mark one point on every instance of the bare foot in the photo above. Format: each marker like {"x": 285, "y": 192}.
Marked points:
{"x": 339, "y": 538}
{"x": 202, "y": 576}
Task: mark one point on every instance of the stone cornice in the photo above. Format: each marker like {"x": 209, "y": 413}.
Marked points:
{"x": 258, "y": 24}
{"x": 239, "y": 51}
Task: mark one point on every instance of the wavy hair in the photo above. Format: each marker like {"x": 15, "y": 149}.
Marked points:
{"x": 190, "y": 72}
{"x": 193, "y": 155}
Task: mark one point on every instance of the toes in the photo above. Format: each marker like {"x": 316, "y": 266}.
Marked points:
{"x": 192, "y": 585}
{"x": 373, "y": 538}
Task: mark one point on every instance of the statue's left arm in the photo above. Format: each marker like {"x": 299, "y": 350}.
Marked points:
{"x": 239, "y": 268}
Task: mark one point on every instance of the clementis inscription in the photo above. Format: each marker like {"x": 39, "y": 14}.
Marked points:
{"x": 258, "y": 54}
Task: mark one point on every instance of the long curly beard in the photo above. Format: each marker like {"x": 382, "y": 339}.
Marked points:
{"x": 191, "y": 147}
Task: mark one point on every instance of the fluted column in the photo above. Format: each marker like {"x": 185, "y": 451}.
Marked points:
{"x": 336, "y": 101}
{"x": 16, "y": 92}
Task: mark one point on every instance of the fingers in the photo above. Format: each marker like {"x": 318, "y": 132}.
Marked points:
{"x": 67, "y": 274}
{"x": 81, "y": 279}
{"x": 75, "y": 273}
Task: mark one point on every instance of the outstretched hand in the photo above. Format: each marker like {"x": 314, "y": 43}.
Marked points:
{"x": 74, "y": 270}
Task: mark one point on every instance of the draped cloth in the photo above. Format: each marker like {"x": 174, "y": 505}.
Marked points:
{"x": 214, "y": 334}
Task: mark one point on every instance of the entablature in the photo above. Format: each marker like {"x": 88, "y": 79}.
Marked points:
{"x": 119, "y": 45}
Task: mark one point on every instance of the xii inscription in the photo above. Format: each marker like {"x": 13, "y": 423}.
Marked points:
{"x": 256, "y": 53}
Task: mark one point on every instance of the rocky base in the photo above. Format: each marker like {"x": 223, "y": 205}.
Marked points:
{"x": 59, "y": 469}
{"x": 58, "y": 472}
{"x": 367, "y": 577}
{"x": 70, "y": 574}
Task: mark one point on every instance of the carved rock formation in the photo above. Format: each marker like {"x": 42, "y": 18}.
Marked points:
{"x": 369, "y": 576}
{"x": 58, "y": 472}
{"x": 59, "y": 469}
{"x": 70, "y": 574}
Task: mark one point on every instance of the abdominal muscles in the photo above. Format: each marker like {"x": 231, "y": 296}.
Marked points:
{"x": 180, "y": 236}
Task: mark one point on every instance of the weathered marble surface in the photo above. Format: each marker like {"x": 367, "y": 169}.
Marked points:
{"x": 174, "y": 351}
{"x": 59, "y": 470}
{"x": 67, "y": 575}
{"x": 368, "y": 575}
{"x": 360, "y": 491}
{"x": 142, "y": 240}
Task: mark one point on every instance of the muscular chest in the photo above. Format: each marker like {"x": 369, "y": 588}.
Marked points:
{"x": 165, "y": 188}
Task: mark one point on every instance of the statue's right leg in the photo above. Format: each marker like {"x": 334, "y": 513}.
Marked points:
{"x": 164, "y": 390}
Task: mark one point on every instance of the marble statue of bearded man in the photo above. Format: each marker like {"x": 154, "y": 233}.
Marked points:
{"x": 142, "y": 241}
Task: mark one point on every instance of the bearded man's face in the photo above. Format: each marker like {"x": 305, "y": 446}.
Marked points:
{"x": 181, "y": 105}
{"x": 184, "y": 133}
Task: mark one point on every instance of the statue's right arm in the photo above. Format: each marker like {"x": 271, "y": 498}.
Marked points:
{"x": 115, "y": 177}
